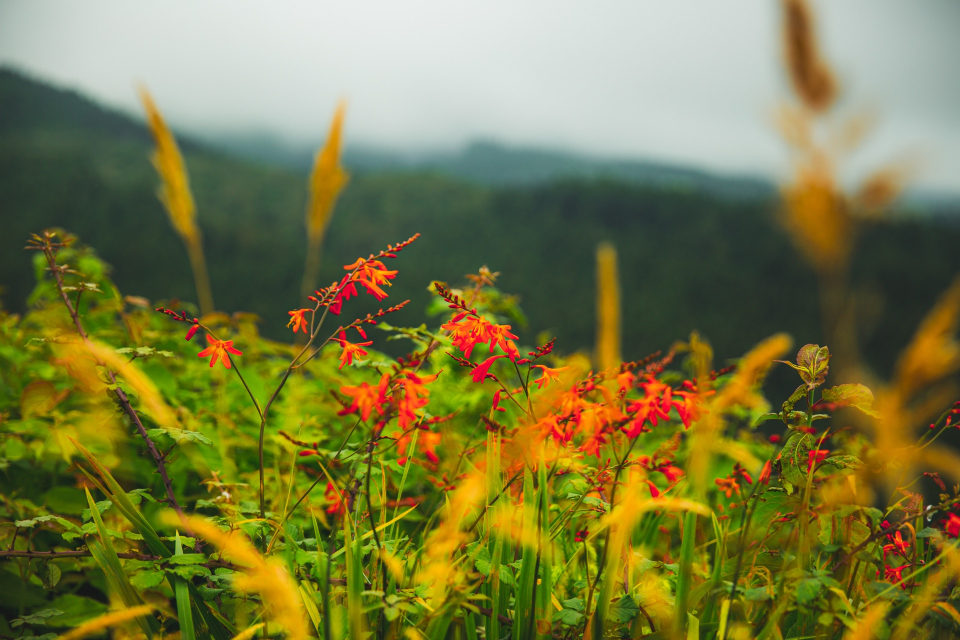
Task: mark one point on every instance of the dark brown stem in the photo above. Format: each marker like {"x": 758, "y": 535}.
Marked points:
{"x": 49, "y": 253}
{"x": 83, "y": 553}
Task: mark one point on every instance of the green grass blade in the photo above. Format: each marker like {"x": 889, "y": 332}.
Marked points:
{"x": 106, "y": 556}
{"x": 184, "y": 601}
{"x": 354, "y": 580}
{"x": 685, "y": 577}
{"x": 544, "y": 546}
{"x": 323, "y": 576}
{"x": 524, "y": 601}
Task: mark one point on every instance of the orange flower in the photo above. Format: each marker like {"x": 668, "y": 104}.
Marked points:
{"x": 371, "y": 274}
{"x": 467, "y": 331}
{"x": 548, "y": 375}
{"x": 350, "y": 350}
{"x": 765, "y": 472}
{"x": 727, "y": 486}
{"x": 427, "y": 442}
{"x": 415, "y": 396}
{"x": 297, "y": 319}
{"x": 366, "y": 398}
{"x": 219, "y": 349}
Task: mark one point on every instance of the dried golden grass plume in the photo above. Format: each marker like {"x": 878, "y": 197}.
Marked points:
{"x": 869, "y": 624}
{"x": 107, "y": 620}
{"x": 327, "y": 180}
{"x": 268, "y": 578}
{"x": 816, "y": 215}
{"x": 175, "y": 186}
{"x": 608, "y": 308}
{"x": 811, "y": 77}
{"x": 934, "y": 352}
{"x": 176, "y": 197}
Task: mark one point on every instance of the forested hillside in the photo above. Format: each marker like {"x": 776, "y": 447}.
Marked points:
{"x": 689, "y": 258}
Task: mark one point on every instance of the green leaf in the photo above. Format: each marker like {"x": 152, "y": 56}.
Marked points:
{"x": 795, "y": 397}
{"x": 794, "y": 459}
{"x": 764, "y": 417}
{"x": 102, "y": 506}
{"x": 808, "y": 590}
{"x": 844, "y": 462}
{"x": 143, "y": 352}
{"x": 48, "y": 573}
{"x": 187, "y": 558}
{"x": 143, "y": 580}
{"x": 40, "y": 617}
{"x": 759, "y": 594}
{"x": 573, "y": 603}
{"x": 181, "y": 435}
{"x": 857, "y": 396}
{"x": 568, "y": 617}
{"x": 812, "y": 364}
{"x": 623, "y": 610}
{"x": 482, "y": 561}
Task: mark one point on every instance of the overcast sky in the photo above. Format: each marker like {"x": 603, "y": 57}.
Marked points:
{"x": 685, "y": 81}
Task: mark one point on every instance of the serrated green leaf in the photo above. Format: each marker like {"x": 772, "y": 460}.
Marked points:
{"x": 143, "y": 580}
{"x": 181, "y": 435}
{"x": 808, "y": 590}
{"x": 623, "y": 610}
{"x": 857, "y": 396}
{"x": 568, "y": 617}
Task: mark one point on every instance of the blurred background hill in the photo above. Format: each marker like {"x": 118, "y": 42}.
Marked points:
{"x": 697, "y": 251}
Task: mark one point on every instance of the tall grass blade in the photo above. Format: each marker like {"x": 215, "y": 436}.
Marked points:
{"x": 106, "y": 556}
{"x": 184, "y": 601}
{"x": 524, "y": 615}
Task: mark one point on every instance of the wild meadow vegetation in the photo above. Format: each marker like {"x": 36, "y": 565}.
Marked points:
{"x": 168, "y": 472}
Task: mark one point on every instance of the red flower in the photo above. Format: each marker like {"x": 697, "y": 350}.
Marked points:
{"x": 898, "y": 544}
{"x": 482, "y": 372}
{"x": 894, "y": 574}
{"x": 337, "y": 504}
{"x": 297, "y": 320}
{"x": 953, "y": 525}
{"x": 350, "y": 350}
{"x": 670, "y": 472}
{"x": 580, "y": 536}
{"x": 219, "y": 349}
{"x": 191, "y": 332}
{"x": 742, "y": 473}
{"x": 496, "y": 401}
{"x": 815, "y": 457}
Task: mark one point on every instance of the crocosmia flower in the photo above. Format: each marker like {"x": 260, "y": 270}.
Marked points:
{"x": 297, "y": 320}
{"x": 351, "y": 350}
{"x": 219, "y": 349}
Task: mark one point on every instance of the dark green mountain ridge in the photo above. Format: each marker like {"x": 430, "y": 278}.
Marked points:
{"x": 690, "y": 258}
